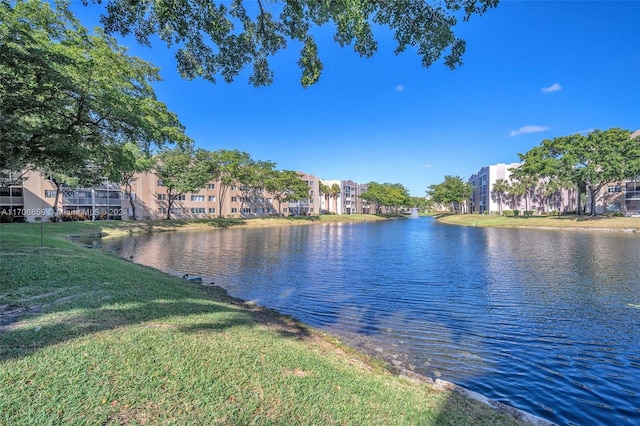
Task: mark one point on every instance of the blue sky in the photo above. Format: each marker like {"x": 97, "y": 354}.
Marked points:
{"x": 533, "y": 70}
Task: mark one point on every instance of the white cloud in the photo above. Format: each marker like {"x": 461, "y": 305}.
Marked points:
{"x": 555, "y": 87}
{"x": 528, "y": 129}
{"x": 585, "y": 131}
{"x": 427, "y": 166}
{"x": 399, "y": 88}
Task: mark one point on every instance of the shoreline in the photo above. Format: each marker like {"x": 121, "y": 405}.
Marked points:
{"x": 554, "y": 223}
{"x": 516, "y": 413}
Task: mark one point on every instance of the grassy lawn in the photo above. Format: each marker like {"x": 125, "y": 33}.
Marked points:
{"x": 566, "y": 221}
{"x": 88, "y": 338}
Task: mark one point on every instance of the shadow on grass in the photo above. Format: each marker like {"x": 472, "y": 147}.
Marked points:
{"x": 54, "y": 300}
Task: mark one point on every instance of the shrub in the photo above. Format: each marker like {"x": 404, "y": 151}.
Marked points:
{"x": 528, "y": 212}
{"x": 73, "y": 217}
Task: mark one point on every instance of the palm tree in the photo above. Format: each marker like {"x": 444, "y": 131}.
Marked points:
{"x": 530, "y": 183}
{"x": 324, "y": 192}
{"x": 500, "y": 188}
{"x": 334, "y": 192}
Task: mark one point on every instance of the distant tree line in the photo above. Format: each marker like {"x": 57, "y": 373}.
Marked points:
{"x": 585, "y": 162}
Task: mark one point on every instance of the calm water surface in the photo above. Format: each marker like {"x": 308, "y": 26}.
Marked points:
{"x": 541, "y": 320}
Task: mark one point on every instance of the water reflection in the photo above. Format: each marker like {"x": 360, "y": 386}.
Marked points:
{"x": 537, "y": 319}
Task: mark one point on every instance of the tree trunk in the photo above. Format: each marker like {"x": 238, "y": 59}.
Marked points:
{"x": 55, "y": 201}
{"x": 133, "y": 206}
{"x": 222, "y": 190}
{"x": 593, "y": 192}
{"x": 579, "y": 200}
{"x": 170, "y": 200}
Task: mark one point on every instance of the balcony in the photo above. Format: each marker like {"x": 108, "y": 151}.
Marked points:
{"x": 11, "y": 201}
{"x": 632, "y": 195}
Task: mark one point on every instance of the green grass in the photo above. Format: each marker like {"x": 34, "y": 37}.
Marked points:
{"x": 564, "y": 221}
{"x": 88, "y": 338}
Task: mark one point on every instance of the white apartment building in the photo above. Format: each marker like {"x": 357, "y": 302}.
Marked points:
{"x": 485, "y": 200}
{"x": 347, "y": 201}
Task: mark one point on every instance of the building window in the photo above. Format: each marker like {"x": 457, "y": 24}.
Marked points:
{"x": 613, "y": 189}
{"x": 49, "y": 193}
{"x": 613, "y": 207}
{"x": 197, "y": 198}
{"x": 176, "y": 210}
{"x": 234, "y": 198}
{"x": 211, "y": 186}
{"x": 234, "y": 210}
{"x": 181, "y": 197}
{"x": 196, "y": 210}
{"x": 234, "y": 188}
{"x": 162, "y": 197}
{"x": 212, "y": 197}
{"x": 212, "y": 210}
{"x": 160, "y": 183}
{"x": 246, "y": 210}
{"x": 162, "y": 210}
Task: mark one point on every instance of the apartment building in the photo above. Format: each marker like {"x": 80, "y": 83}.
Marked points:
{"x": 483, "y": 182}
{"x": 215, "y": 200}
{"x": 347, "y": 201}
{"x": 31, "y": 197}
{"x": 485, "y": 199}
{"x": 621, "y": 197}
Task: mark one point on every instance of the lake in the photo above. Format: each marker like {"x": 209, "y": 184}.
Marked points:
{"x": 546, "y": 321}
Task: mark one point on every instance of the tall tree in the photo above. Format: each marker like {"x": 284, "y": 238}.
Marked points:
{"x": 500, "y": 189}
{"x": 334, "y": 193}
{"x": 590, "y": 161}
{"x": 228, "y": 168}
{"x": 389, "y": 195}
{"x": 63, "y": 90}
{"x": 182, "y": 170}
{"x": 453, "y": 190}
{"x": 122, "y": 164}
{"x": 375, "y": 194}
{"x": 287, "y": 186}
{"x": 217, "y": 38}
{"x": 525, "y": 186}
{"x": 252, "y": 178}
{"x": 324, "y": 193}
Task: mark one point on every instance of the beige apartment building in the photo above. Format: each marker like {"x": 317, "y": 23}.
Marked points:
{"x": 151, "y": 200}
{"x": 622, "y": 197}
{"x": 32, "y": 197}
